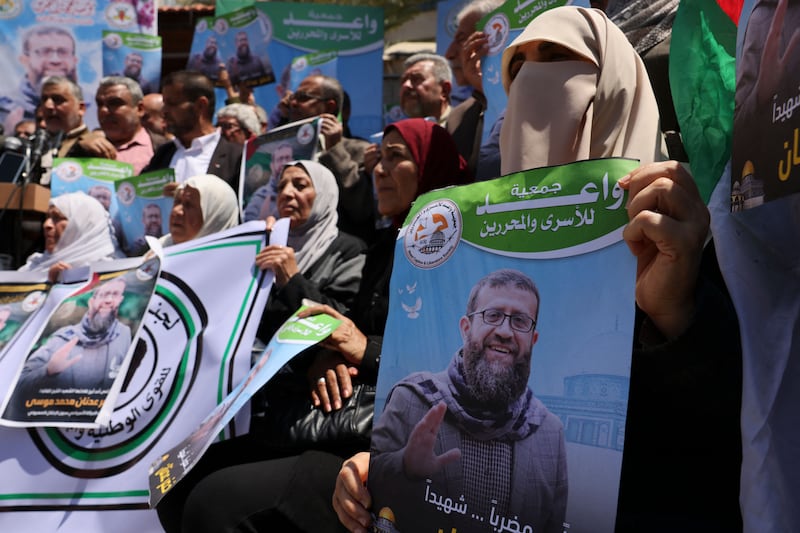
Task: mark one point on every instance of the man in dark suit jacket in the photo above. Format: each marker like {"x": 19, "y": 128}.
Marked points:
{"x": 198, "y": 147}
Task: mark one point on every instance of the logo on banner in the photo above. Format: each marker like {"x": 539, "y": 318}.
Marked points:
{"x": 497, "y": 30}
{"x": 161, "y": 372}
{"x": 69, "y": 171}
{"x": 305, "y": 134}
{"x": 112, "y": 40}
{"x": 126, "y": 193}
{"x": 10, "y": 9}
{"x": 433, "y": 234}
{"x": 120, "y": 14}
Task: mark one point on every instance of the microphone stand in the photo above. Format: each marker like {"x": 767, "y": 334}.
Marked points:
{"x": 32, "y": 161}
{"x": 16, "y": 230}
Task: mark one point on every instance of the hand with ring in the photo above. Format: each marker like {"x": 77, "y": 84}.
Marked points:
{"x": 330, "y": 378}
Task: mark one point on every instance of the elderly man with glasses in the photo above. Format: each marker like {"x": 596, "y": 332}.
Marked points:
{"x": 474, "y": 434}
{"x": 322, "y": 96}
{"x": 238, "y": 122}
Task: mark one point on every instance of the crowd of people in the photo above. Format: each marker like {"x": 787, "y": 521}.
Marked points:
{"x": 593, "y": 99}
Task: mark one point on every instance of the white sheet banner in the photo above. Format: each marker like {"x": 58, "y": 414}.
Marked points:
{"x": 194, "y": 348}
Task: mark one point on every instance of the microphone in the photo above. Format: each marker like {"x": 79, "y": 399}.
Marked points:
{"x": 14, "y": 144}
{"x": 39, "y": 144}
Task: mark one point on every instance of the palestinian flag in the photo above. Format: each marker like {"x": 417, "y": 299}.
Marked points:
{"x": 702, "y": 73}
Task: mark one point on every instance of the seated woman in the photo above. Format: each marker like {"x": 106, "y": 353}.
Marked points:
{"x": 77, "y": 231}
{"x": 319, "y": 262}
{"x": 203, "y": 205}
{"x": 578, "y": 90}
{"x": 292, "y": 493}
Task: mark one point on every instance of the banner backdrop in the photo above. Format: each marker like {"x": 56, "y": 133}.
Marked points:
{"x": 40, "y": 39}
{"x": 196, "y": 345}
{"x": 562, "y": 228}
{"x": 355, "y": 32}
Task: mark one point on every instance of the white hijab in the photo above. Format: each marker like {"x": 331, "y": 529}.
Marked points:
{"x": 88, "y": 236}
{"x": 311, "y": 240}
{"x": 574, "y": 110}
{"x": 217, "y": 202}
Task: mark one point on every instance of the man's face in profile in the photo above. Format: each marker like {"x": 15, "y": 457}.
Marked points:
{"x": 151, "y": 218}
{"x": 281, "y": 156}
{"x": 242, "y": 46}
{"x": 179, "y": 113}
{"x": 152, "y": 117}
{"x": 133, "y": 66}
{"x": 420, "y": 94}
{"x": 104, "y": 304}
{"x": 453, "y": 54}
{"x": 497, "y": 358}
{"x": 102, "y": 195}
{"x": 50, "y": 54}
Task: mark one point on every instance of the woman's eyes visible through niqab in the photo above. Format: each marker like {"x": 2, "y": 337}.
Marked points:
{"x": 541, "y": 52}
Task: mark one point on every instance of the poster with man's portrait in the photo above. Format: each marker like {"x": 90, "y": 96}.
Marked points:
{"x": 134, "y": 55}
{"x": 502, "y": 406}
{"x": 143, "y": 209}
{"x": 266, "y": 155}
{"x": 204, "y": 55}
{"x": 79, "y": 361}
{"x": 247, "y": 33}
{"x": 94, "y": 176}
{"x": 41, "y": 39}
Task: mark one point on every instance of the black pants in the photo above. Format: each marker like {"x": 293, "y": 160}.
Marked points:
{"x": 234, "y": 488}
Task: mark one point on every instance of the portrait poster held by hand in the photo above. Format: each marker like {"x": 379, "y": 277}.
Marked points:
{"x": 205, "y": 54}
{"x": 502, "y": 405}
{"x": 75, "y": 368}
{"x": 266, "y": 155}
{"x": 94, "y": 176}
{"x": 248, "y": 33}
{"x": 143, "y": 209}
{"x": 21, "y": 295}
{"x": 294, "y": 336}
{"x": 133, "y": 55}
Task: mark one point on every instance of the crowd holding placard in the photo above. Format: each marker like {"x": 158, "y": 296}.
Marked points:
{"x": 577, "y": 89}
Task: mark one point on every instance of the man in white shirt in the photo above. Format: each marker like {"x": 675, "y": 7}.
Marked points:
{"x": 198, "y": 147}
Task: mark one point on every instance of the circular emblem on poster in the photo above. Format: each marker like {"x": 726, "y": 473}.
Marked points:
{"x": 497, "y": 31}
{"x": 433, "y": 234}
{"x": 126, "y": 193}
{"x": 305, "y": 134}
{"x": 120, "y": 14}
{"x": 69, "y": 171}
